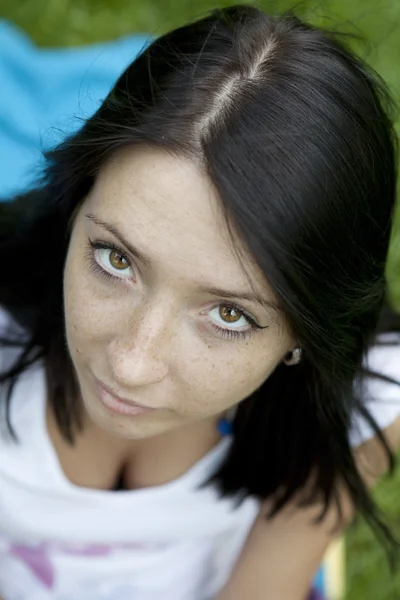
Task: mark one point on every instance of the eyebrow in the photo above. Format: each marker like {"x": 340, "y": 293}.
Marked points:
{"x": 114, "y": 231}
{"x": 213, "y": 291}
{"x": 250, "y": 297}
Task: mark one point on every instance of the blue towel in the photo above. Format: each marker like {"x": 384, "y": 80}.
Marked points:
{"x": 45, "y": 93}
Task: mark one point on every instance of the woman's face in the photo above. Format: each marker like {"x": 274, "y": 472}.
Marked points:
{"x": 158, "y": 308}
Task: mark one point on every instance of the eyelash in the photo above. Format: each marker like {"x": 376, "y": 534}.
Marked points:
{"x": 228, "y": 334}
{"x": 94, "y": 265}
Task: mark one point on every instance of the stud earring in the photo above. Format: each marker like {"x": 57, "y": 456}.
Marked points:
{"x": 293, "y": 358}
{"x": 225, "y": 424}
{"x": 225, "y": 427}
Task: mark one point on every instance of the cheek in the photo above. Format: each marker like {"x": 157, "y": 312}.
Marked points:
{"x": 82, "y": 313}
{"x": 217, "y": 383}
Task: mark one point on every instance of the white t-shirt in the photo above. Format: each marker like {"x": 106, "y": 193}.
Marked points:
{"x": 170, "y": 542}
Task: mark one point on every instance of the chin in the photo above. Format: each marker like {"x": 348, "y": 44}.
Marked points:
{"x": 125, "y": 428}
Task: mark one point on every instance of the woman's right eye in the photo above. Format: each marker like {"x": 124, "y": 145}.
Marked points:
{"x": 110, "y": 261}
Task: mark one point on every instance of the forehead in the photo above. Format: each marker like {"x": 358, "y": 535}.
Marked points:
{"x": 169, "y": 209}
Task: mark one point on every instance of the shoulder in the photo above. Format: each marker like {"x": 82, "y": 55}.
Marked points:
{"x": 380, "y": 396}
{"x": 5, "y": 320}
{"x": 384, "y": 355}
{"x": 10, "y": 326}
{"x": 281, "y": 554}
{"x": 10, "y": 334}
{"x": 27, "y": 384}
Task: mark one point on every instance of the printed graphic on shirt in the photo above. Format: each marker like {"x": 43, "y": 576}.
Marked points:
{"x": 31, "y": 572}
{"x": 59, "y": 571}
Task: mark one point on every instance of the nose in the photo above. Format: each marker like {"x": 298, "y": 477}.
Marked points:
{"x": 138, "y": 356}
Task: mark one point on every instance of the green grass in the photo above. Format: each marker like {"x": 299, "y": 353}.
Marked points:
{"x": 75, "y": 22}
{"x": 368, "y": 574}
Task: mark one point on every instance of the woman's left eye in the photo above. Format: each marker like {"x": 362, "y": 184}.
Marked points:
{"x": 231, "y": 322}
{"x": 226, "y": 314}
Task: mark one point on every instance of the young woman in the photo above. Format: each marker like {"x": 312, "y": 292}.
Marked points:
{"x": 194, "y": 326}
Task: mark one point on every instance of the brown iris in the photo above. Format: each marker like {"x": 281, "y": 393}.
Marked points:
{"x": 117, "y": 261}
{"x": 230, "y": 314}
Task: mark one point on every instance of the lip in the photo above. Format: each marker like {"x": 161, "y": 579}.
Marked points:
{"x": 119, "y": 405}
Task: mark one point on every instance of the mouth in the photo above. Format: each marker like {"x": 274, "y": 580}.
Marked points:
{"x": 117, "y": 404}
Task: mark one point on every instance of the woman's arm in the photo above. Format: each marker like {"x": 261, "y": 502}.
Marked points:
{"x": 281, "y": 556}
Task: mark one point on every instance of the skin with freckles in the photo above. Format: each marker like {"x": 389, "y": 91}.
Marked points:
{"x": 148, "y": 249}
